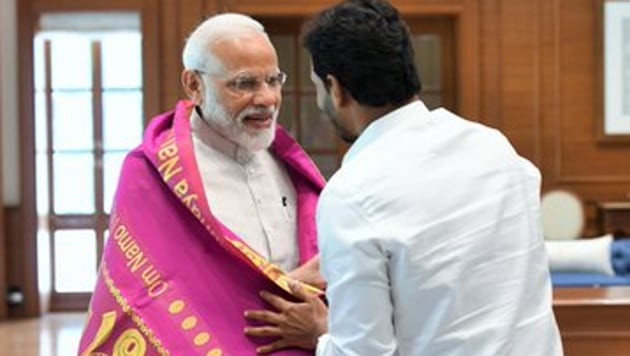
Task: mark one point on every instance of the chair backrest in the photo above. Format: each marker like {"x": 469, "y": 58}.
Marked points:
{"x": 562, "y": 215}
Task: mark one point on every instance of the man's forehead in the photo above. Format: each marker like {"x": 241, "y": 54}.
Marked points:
{"x": 245, "y": 51}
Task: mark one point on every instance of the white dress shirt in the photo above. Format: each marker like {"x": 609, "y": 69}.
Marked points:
{"x": 431, "y": 244}
{"x": 251, "y": 193}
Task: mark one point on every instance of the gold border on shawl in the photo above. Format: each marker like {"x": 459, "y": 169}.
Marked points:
{"x": 170, "y": 169}
{"x": 124, "y": 305}
{"x": 272, "y": 271}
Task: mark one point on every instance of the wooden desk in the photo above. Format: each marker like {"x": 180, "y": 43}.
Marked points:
{"x": 593, "y": 321}
{"x": 614, "y": 217}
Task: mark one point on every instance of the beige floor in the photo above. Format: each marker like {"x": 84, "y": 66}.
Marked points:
{"x": 50, "y": 335}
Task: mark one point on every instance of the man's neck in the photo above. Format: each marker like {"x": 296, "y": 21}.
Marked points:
{"x": 367, "y": 114}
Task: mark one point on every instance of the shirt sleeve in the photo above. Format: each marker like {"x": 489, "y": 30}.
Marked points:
{"x": 355, "y": 265}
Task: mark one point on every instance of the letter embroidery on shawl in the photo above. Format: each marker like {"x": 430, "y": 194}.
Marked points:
{"x": 170, "y": 167}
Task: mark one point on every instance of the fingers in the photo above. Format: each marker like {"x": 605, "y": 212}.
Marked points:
{"x": 269, "y": 331}
{"x": 297, "y": 289}
{"x": 265, "y": 316}
{"x": 276, "y": 301}
{"x": 276, "y": 345}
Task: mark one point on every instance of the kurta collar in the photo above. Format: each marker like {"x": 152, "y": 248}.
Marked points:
{"x": 415, "y": 110}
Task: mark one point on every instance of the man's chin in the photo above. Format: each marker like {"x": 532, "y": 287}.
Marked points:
{"x": 257, "y": 141}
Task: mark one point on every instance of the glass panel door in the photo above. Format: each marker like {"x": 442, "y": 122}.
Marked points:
{"x": 88, "y": 97}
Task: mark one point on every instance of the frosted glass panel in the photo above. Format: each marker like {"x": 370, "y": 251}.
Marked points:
{"x": 44, "y": 255}
{"x": 111, "y": 171}
{"x": 316, "y": 129}
{"x": 72, "y": 121}
{"x": 122, "y": 124}
{"x": 41, "y": 179}
{"x": 122, "y": 60}
{"x": 427, "y": 60}
{"x": 75, "y": 260}
{"x": 285, "y": 47}
{"x": 39, "y": 63}
{"x": 41, "y": 141}
{"x": 73, "y": 183}
{"x": 71, "y": 57}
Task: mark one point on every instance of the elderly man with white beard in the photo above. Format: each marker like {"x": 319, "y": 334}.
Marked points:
{"x": 216, "y": 204}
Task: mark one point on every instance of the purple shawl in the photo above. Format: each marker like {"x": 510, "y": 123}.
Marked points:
{"x": 173, "y": 280}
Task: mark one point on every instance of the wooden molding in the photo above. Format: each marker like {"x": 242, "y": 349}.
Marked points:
{"x": 593, "y": 321}
{"x": 25, "y": 237}
{"x": 3, "y": 267}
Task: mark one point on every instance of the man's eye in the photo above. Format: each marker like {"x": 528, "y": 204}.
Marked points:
{"x": 246, "y": 84}
{"x": 274, "y": 81}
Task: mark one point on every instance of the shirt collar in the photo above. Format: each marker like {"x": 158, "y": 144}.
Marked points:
{"x": 416, "y": 110}
{"x": 210, "y": 137}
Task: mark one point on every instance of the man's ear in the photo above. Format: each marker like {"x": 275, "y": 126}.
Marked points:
{"x": 192, "y": 86}
{"x": 338, "y": 93}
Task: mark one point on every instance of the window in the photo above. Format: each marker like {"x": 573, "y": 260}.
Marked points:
{"x": 88, "y": 115}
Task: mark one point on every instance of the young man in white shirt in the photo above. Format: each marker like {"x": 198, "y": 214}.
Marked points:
{"x": 429, "y": 233}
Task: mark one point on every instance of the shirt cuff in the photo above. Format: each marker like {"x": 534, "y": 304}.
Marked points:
{"x": 323, "y": 346}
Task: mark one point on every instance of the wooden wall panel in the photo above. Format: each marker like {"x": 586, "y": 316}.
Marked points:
{"x": 179, "y": 18}
{"x": 538, "y": 82}
{"x": 170, "y": 44}
{"x": 149, "y": 10}
{"x": 549, "y": 90}
{"x": 22, "y": 220}
{"x": 466, "y": 21}
{"x": 3, "y": 256}
{"x": 490, "y": 62}
{"x": 582, "y": 160}
{"x": 519, "y": 75}
{"x": 3, "y": 275}
{"x": 302, "y": 7}
{"x": 21, "y": 274}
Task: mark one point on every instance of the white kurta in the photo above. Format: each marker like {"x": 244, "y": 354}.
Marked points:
{"x": 251, "y": 193}
{"x": 431, "y": 244}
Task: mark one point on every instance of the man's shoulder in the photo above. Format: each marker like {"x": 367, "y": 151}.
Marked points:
{"x": 136, "y": 163}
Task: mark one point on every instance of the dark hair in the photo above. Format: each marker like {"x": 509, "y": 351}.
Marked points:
{"x": 366, "y": 46}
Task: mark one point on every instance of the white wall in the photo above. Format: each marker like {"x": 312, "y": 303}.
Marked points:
{"x": 9, "y": 106}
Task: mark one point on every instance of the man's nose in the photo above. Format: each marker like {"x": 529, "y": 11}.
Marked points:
{"x": 266, "y": 95}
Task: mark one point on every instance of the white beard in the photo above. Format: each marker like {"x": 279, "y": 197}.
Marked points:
{"x": 232, "y": 128}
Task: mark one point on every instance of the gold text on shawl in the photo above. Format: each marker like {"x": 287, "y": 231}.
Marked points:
{"x": 137, "y": 262}
{"x": 168, "y": 159}
{"x": 169, "y": 168}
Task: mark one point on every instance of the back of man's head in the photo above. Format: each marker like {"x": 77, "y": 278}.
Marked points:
{"x": 197, "y": 54}
{"x": 366, "y": 46}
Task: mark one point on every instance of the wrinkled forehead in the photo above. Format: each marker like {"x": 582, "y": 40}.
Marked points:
{"x": 248, "y": 52}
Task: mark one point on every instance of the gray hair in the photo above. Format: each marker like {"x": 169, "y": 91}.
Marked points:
{"x": 197, "y": 54}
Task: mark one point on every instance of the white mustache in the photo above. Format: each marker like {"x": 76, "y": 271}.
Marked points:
{"x": 253, "y": 110}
